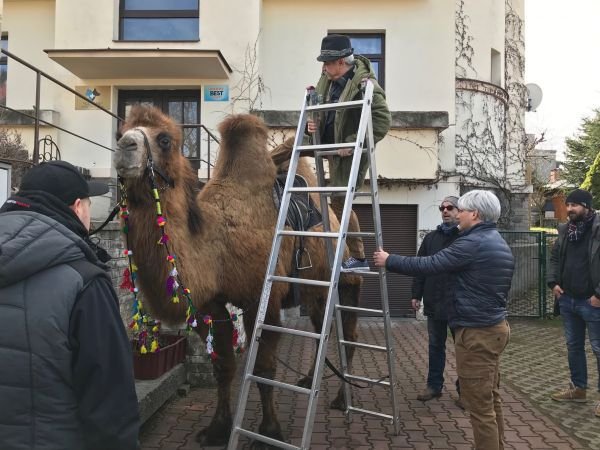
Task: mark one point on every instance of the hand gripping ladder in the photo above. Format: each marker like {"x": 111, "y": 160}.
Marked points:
{"x": 364, "y": 135}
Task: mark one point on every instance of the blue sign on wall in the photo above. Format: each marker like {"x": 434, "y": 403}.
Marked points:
{"x": 216, "y": 93}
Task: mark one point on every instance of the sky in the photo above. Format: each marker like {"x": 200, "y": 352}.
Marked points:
{"x": 562, "y": 56}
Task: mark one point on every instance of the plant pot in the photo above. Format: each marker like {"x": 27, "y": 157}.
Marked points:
{"x": 152, "y": 365}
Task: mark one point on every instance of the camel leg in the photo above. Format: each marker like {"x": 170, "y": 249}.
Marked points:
{"x": 265, "y": 367}
{"x": 217, "y": 432}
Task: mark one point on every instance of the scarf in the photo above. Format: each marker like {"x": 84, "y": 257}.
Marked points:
{"x": 576, "y": 229}
{"x": 448, "y": 228}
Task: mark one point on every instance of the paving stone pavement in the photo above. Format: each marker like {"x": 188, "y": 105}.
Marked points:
{"x": 533, "y": 366}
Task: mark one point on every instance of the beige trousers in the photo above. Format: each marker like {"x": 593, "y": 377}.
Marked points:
{"x": 478, "y": 353}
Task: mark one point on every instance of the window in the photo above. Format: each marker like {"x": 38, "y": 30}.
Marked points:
{"x": 182, "y": 106}
{"x": 372, "y": 46}
{"x": 159, "y": 20}
{"x": 3, "y": 70}
{"x": 496, "y": 67}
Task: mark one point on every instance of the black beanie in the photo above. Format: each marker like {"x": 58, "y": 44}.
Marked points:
{"x": 580, "y": 197}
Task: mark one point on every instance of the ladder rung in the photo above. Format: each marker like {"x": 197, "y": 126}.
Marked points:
{"x": 362, "y": 194}
{"x": 377, "y": 348}
{"x": 302, "y": 333}
{"x": 336, "y": 106}
{"x": 367, "y": 380}
{"x": 374, "y": 312}
{"x": 362, "y": 273}
{"x": 319, "y": 189}
{"x": 279, "y": 384}
{"x": 371, "y": 413}
{"x": 360, "y": 234}
{"x": 299, "y": 281}
{"x": 321, "y": 234}
{"x": 265, "y": 439}
{"x": 325, "y": 147}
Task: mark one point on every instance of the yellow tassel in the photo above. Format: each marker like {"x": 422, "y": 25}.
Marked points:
{"x": 135, "y": 327}
{"x": 175, "y": 299}
{"x": 154, "y": 346}
{"x": 155, "y": 193}
{"x": 136, "y": 316}
{"x": 145, "y": 319}
{"x": 155, "y": 329}
{"x": 134, "y": 268}
{"x": 143, "y": 350}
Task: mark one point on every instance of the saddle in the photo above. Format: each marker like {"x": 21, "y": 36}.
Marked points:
{"x": 302, "y": 214}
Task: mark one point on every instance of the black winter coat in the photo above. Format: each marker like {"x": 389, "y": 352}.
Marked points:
{"x": 483, "y": 265}
{"x": 66, "y": 372}
{"x": 434, "y": 290}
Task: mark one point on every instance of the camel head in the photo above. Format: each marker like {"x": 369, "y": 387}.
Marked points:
{"x": 148, "y": 134}
{"x": 147, "y": 131}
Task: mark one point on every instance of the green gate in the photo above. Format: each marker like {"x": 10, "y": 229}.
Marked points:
{"x": 529, "y": 296}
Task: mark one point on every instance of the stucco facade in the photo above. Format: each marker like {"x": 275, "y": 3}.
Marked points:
{"x": 271, "y": 45}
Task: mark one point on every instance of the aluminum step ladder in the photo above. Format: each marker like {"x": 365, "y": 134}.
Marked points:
{"x": 332, "y": 307}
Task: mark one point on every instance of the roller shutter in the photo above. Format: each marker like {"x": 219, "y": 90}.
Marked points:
{"x": 399, "y": 228}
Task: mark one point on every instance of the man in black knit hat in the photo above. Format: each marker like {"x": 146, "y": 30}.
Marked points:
{"x": 66, "y": 377}
{"x": 574, "y": 277}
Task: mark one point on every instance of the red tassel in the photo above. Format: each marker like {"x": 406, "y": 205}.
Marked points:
{"x": 234, "y": 340}
{"x": 126, "y": 284}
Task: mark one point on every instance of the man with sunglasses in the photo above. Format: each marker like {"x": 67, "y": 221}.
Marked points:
{"x": 433, "y": 290}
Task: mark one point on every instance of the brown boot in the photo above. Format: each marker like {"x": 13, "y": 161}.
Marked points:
{"x": 597, "y": 410}
{"x": 429, "y": 394}
{"x": 570, "y": 394}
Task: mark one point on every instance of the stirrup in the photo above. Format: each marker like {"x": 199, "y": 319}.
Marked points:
{"x": 299, "y": 253}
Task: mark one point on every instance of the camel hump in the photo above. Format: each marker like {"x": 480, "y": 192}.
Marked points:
{"x": 240, "y": 127}
{"x": 243, "y": 150}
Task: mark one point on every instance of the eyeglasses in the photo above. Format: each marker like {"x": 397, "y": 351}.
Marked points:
{"x": 448, "y": 207}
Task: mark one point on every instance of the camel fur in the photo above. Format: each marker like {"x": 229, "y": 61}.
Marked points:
{"x": 221, "y": 236}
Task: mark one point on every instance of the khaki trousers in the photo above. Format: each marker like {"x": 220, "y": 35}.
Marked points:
{"x": 478, "y": 353}
{"x": 355, "y": 244}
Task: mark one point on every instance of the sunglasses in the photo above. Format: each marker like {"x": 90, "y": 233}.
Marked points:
{"x": 449, "y": 208}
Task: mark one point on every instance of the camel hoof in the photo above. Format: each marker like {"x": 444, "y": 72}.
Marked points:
{"x": 208, "y": 437}
{"x": 305, "y": 382}
{"x": 338, "y": 403}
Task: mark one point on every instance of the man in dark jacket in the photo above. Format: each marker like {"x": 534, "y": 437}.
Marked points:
{"x": 66, "y": 375}
{"x": 434, "y": 290}
{"x": 483, "y": 265}
{"x": 340, "y": 81}
{"x": 574, "y": 277}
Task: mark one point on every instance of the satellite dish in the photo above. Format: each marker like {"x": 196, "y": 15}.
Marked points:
{"x": 534, "y": 96}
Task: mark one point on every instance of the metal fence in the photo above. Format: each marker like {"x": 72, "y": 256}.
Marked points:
{"x": 529, "y": 296}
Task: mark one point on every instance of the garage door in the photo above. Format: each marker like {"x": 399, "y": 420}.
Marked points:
{"x": 399, "y": 228}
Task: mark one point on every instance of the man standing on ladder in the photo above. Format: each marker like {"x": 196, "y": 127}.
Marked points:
{"x": 340, "y": 81}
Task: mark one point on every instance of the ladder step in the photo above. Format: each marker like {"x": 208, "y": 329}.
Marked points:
{"x": 325, "y": 149}
{"x": 279, "y": 384}
{"x": 336, "y": 106}
{"x": 367, "y": 380}
{"x": 373, "y": 312}
{"x": 360, "y": 234}
{"x": 321, "y": 234}
{"x": 319, "y": 189}
{"x": 299, "y": 281}
{"x": 284, "y": 330}
{"x": 361, "y": 273}
{"x": 377, "y": 348}
{"x": 265, "y": 439}
{"x": 370, "y": 413}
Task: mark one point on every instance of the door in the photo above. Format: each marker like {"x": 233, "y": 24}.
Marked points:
{"x": 399, "y": 228}
{"x": 182, "y": 105}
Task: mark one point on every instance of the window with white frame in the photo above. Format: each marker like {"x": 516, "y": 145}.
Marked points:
{"x": 159, "y": 20}
{"x": 372, "y": 46}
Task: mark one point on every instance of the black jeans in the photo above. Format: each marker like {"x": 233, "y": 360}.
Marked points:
{"x": 438, "y": 333}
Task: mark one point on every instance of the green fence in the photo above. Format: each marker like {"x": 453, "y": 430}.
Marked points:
{"x": 529, "y": 296}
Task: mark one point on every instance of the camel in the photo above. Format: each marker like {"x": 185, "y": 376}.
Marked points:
{"x": 221, "y": 236}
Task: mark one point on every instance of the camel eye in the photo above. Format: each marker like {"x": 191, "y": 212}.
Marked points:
{"x": 164, "y": 141}
{"x": 118, "y": 135}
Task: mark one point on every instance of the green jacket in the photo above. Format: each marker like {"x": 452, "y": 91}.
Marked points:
{"x": 347, "y": 120}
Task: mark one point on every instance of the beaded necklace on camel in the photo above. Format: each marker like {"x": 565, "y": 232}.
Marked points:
{"x": 174, "y": 285}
